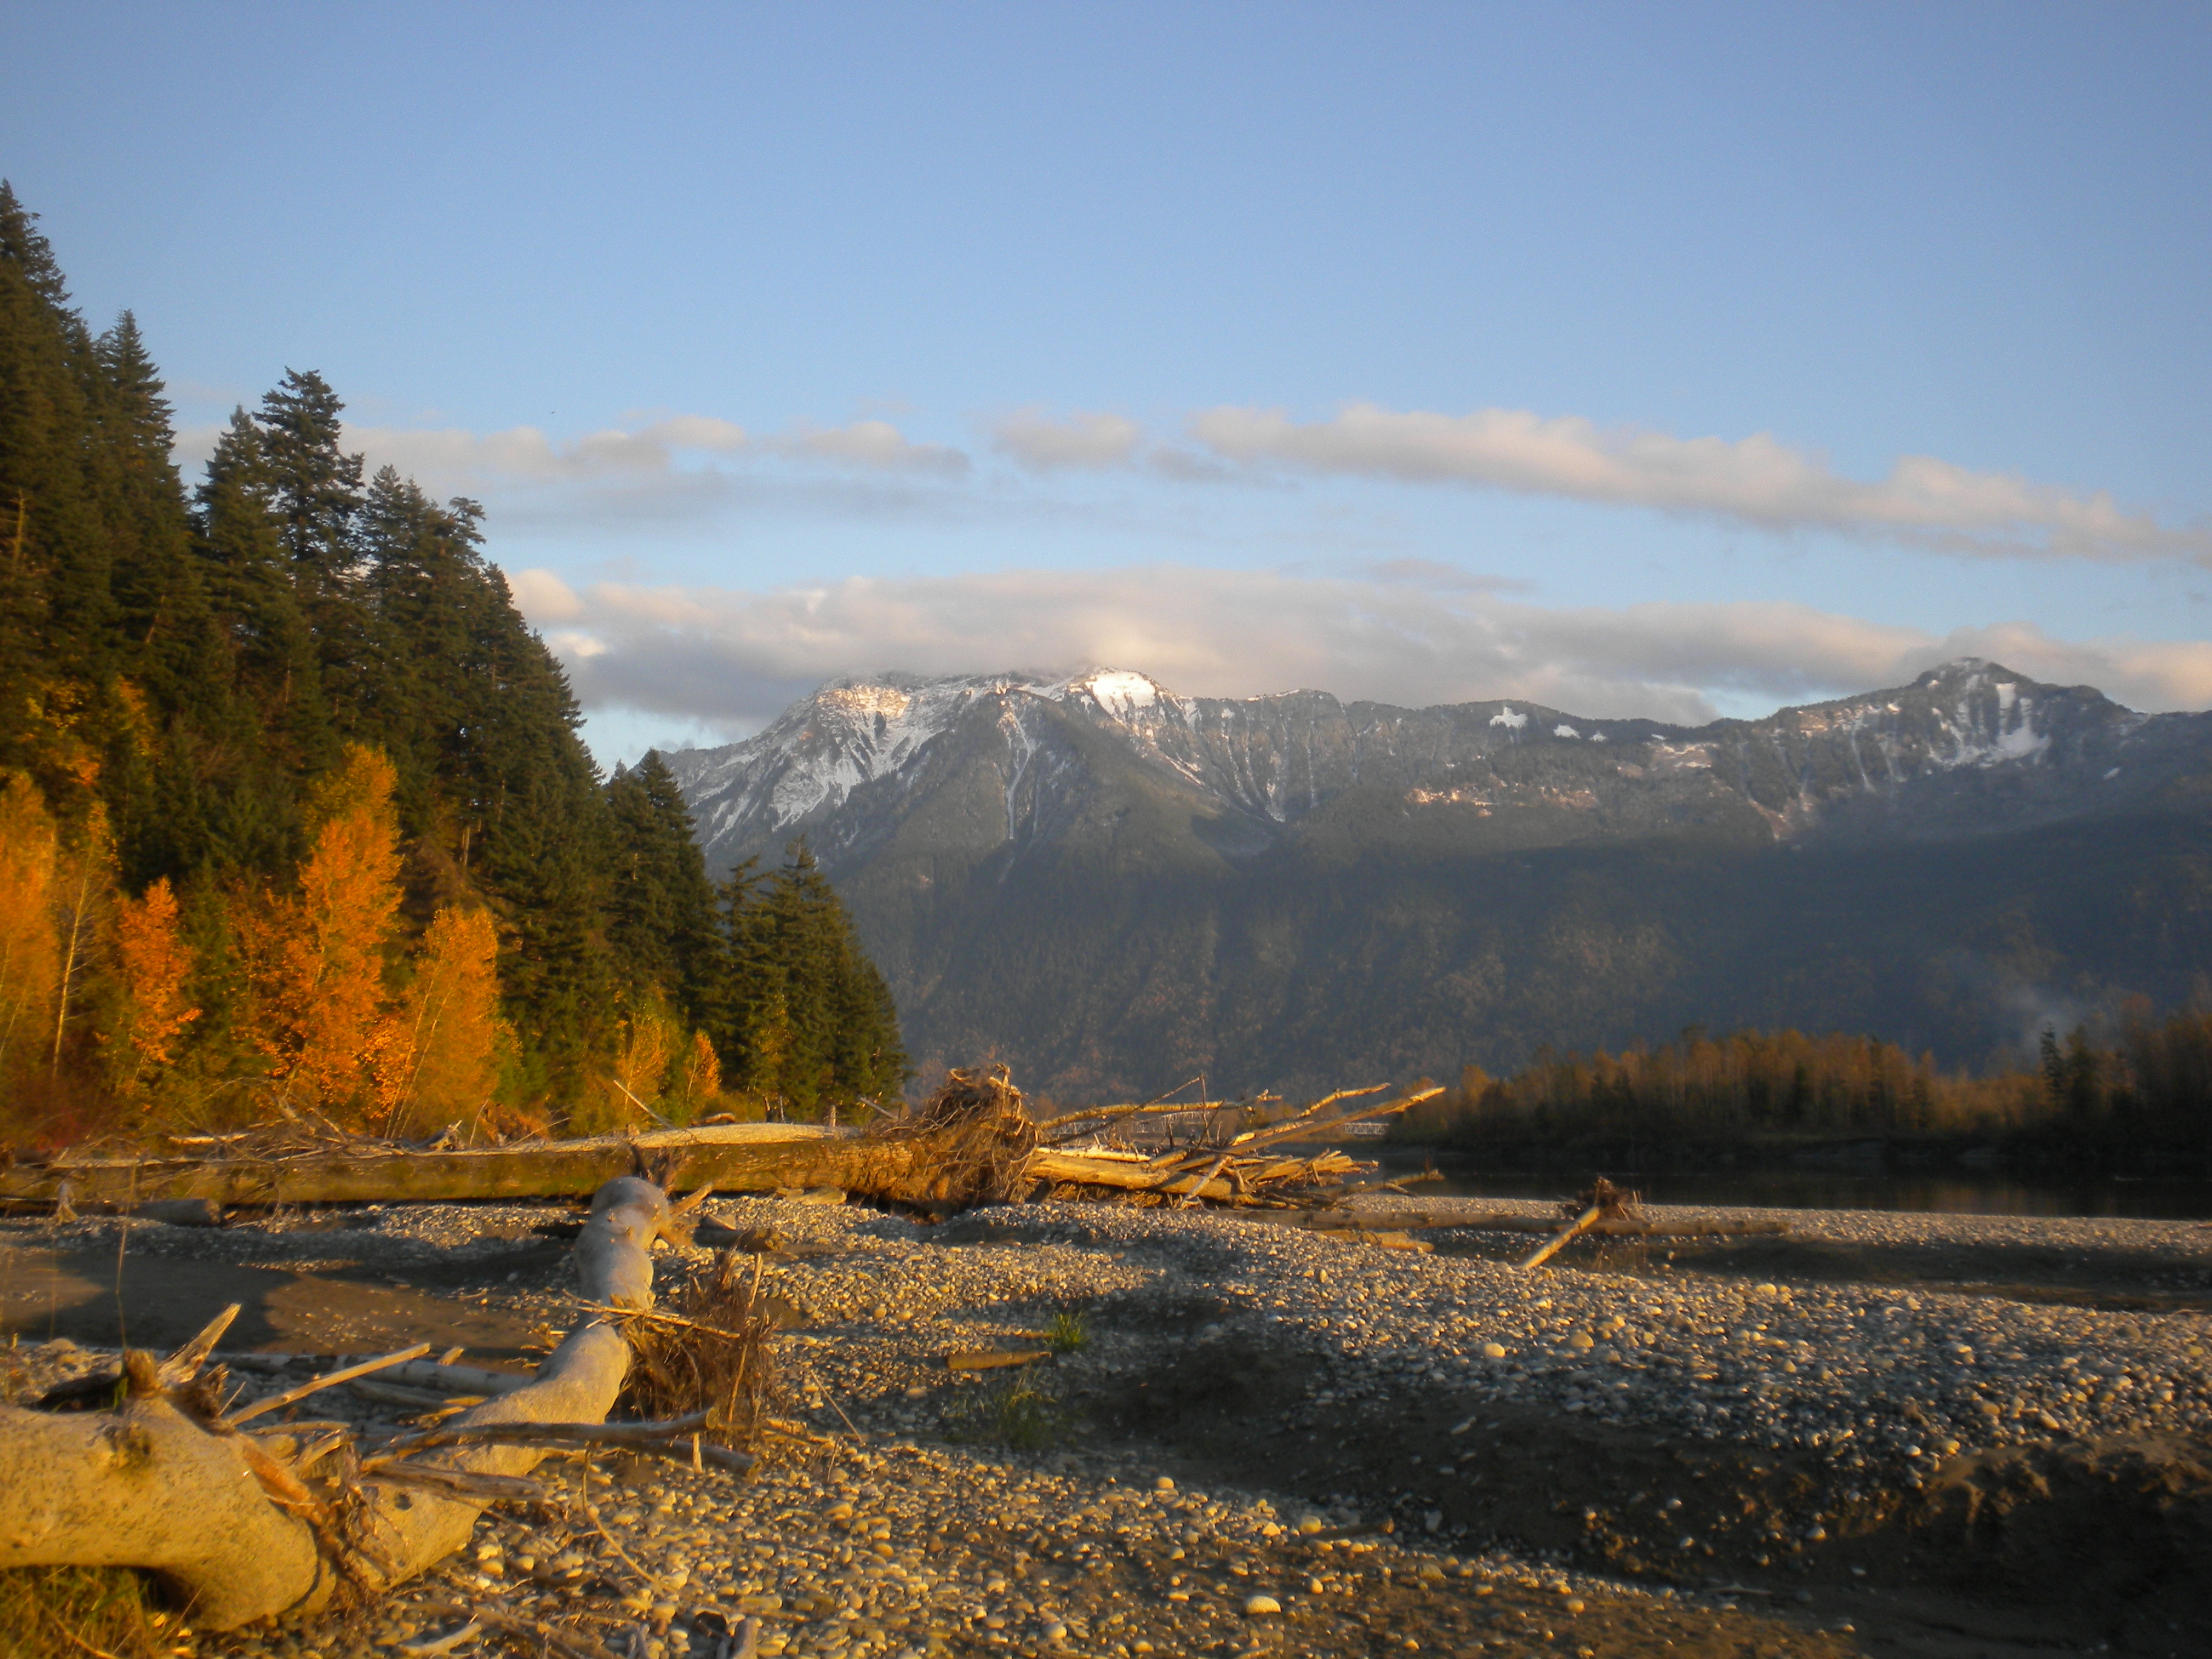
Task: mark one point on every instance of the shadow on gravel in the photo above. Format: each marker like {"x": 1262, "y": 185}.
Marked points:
{"x": 2004, "y": 1554}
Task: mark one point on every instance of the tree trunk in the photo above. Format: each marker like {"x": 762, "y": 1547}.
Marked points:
{"x": 148, "y": 1487}
{"x": 736, "y": 1158}
{"x": 750, "y": 1157}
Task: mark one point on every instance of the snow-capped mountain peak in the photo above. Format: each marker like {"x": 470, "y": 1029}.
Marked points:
{"x": 1267, "y": 762}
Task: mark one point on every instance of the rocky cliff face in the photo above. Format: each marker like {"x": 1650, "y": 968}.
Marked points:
{"x": 1111, "y": 834}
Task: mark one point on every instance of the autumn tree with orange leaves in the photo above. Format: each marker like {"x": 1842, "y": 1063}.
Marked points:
{"x": 323, "y": 1012}
{"x": 454, "y": 1030}
{"x": 29, "y": 955}
{"x": 155, "y": 966}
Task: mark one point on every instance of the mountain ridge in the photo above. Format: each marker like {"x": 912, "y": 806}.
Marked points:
{"x": 976, "y": 820}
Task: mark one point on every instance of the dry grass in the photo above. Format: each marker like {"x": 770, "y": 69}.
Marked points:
{"x": 718, "y": 1362}
{"x": 46, "y": 1611}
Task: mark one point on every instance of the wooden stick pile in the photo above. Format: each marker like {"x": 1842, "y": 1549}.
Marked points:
{"x": 1253, "y": 1168}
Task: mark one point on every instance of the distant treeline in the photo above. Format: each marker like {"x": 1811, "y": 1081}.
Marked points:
{"x": 295, "y": 815}
{"x": 2139, "y": 1094}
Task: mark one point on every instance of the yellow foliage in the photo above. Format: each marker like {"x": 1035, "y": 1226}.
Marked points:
{"x": 649, "y": 1040}
{"x": 30, "y": 955}
{"x": 156, "y": 964}
{"x": 316, "y": 955}
{"x": 82, "y": 876}
{"x": 455, "y": 1018}
{"x": 702, "y": 1075}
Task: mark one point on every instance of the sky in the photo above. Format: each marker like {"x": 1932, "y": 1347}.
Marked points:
{"x": 1669, "y": 361}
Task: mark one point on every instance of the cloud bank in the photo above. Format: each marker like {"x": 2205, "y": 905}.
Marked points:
{"x": 1755, "y": 481}
{"x": 1030, "y": 439}
{"x": 452, "y": 458}
{"x": 733, "y": 659}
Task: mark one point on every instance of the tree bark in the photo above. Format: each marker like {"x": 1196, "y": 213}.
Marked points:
{"x": 221, "y": 1521}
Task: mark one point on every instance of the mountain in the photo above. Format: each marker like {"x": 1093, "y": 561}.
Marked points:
{"x": 1114, "y": 887}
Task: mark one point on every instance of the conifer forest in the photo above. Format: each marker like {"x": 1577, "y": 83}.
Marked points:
{"x": 296, "y": 818}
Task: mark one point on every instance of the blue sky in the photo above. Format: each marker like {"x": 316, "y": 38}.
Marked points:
{"x": 1633, "y": 359}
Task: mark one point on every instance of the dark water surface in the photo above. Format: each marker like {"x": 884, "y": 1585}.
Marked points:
{"x": 1805, "y": 1189}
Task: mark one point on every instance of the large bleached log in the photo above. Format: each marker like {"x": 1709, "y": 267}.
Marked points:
{"x": 233, "y": 1530}
{"x": 149, "y": 1487}
{"x": 731, "y": 1158}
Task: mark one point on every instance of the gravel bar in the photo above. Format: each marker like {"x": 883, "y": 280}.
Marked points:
{"x": 903, "y": 1529}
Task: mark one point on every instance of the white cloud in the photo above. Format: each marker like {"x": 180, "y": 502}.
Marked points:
{"x": 445, "y": 458}
{"x": 450, "y": 458}
{"x": 732, "y": 659}
{"x": 876, "y": 444}
{"x": 1755, "y": 480}
{"x": 1083, "y": 439}
{"x": 644, "y": 470}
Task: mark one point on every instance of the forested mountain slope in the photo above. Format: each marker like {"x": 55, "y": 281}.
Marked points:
{"x": 294, "y": 818}
{"x": 1115, "y": 887}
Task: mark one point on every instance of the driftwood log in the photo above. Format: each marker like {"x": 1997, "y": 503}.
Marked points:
{"x": 231, "y": 1529}
{"x": 973, "y": 1143}
{"x": 1400, "y": 1221}
{"x": 731, "y": 1158}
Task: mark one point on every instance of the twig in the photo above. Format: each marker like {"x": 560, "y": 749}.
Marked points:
{"x": 641, "y": 1105}
{"x": 585, "y": 1434}
{"x": 573, "y": 1642}
{"x": 1091, "y": 1122}
{"x": 316, "y": 1385}
{"x": 1557, "y": 1241}
{"x": 1300, "y": 1126}
{"x": 1191, "y": 1199}
{"x": 591, "y": 1514}
{"x": 657, "y": 1318}
{"x": 461, "y": 1483}
{"x": 182, "y": 1366}
{"x": 444, "y": 1644}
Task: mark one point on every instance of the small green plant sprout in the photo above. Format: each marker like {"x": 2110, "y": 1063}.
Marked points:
{"x": 1016, "y": 1414}
{"x": 1067, "y": 1332}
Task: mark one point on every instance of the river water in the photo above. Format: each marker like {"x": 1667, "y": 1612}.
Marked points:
{"x": 1805, "y": 1189}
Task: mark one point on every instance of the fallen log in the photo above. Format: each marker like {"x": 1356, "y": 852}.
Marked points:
{"x": 1510, "y": 1222}
{"x": 728, "y": 1157}
{"x": 973, "y": 1142}
{"x": 1079, "y": 1169}
{"x": 239, "y": 1534}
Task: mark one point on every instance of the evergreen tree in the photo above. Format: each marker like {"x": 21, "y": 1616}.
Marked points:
{"x": 57, "y": 619}
{"x": 314, "y": 488}
{"x": 804, "y": 1014}
{"x": 314, "y": 485}
{"x": 159, "y": 605}
{"x": 660, "y": 920}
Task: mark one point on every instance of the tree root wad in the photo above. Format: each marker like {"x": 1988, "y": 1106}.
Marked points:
{"x": 239, "y": 1525}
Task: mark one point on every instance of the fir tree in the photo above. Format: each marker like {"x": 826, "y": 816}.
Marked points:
{"x": 660, "y": 919}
